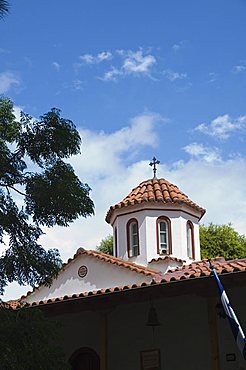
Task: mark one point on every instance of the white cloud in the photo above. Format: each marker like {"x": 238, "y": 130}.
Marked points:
{"x": 111, "y": 75}
{"x": 239, "y": 68}
{"x": 95, "y": 59}
{"x": 17, "y": 112}
{"x": 207, "y": 184}
{"x": 212, "y": 77}
{"x": 201, "y": 152}
{"x": 77, "y": 85}
{"x": 173, "y": 76}
{"x": 134, "y": 63}
{"x": 104, "y": 152}
{"x": 7, "y": 81}
{"x": 104, "y": 55}
{"x": 4, "y": 51}
{"x": 56, "y": 66}
{"x": 222, "y": 126}
{"x": 179, "y": 45}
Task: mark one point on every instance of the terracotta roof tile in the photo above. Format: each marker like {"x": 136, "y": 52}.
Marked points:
{"x": 116, "y": 261}
{"x": 164, "y": 258}
{"x": 192, "y": 271}
{"x": 13, "y": 304}
{"x": 155, "y": 190}
{"x": 107, "y": 258}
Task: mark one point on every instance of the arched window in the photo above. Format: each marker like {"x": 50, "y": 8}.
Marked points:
{"x": 164, "y": 237}
{"x": 132, "y": 238}
{"x": 190, "y": 240}
{"x": 85, "y": 358}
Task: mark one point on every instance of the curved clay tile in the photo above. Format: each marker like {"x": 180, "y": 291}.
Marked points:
{"x": 154, "y": 190}
{"x": 192, "y": 271}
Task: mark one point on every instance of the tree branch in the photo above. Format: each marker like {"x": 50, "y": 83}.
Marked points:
{"x": 13, "y": 188}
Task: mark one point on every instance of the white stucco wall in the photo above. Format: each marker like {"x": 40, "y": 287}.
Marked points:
{"x": 100, "y": 275}
{"x": 178, "y": 215}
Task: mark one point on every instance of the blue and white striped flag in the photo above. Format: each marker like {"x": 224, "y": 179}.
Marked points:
{"x": 235, "y": 326}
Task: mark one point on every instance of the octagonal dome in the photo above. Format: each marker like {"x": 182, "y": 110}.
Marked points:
{"x": 155, "y": 191}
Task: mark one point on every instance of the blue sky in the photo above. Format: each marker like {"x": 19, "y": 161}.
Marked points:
{"x": 138, "y": 78}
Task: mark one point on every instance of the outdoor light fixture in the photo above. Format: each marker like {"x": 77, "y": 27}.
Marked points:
{"x": 152, "y": 317}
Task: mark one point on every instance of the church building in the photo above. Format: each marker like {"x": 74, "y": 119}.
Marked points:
{"x": 153, "y": 304}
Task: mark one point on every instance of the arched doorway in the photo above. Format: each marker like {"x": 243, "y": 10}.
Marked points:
{"x": 85, "y": 359}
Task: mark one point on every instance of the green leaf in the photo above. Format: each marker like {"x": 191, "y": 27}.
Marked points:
{"x": 29, "y": 341}
{"x": 48, "y": 187}
{"x": 223, "y": 241}
{"x": 49, "y": 139}
{"x": 57, "y": 196}
{"x": 106, "y": 245}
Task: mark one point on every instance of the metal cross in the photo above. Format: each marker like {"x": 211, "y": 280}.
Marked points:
{"x": 154, "y": 163}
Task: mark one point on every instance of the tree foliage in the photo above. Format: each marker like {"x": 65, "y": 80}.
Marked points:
{"x": 221, "y": 240}
{"x": 36, "y": 188}
{"x": 29, "y": 341}
{"x": 4, "y": 8}
{"x": 106, "y": 245}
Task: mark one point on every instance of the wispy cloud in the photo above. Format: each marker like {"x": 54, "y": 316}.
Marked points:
{"x": 239, "y": 68}
{"x": 222, "y": 126}
{"x": 7, "y": 81}
{"x": 133, "y": 63}
{"x": 179, "y": 45}
{"x": 201, "y": 152}
{"x": 77, "y": 85}
{"x": 139, "y": 132}
{"x": 173, "y": 76}
{"x": 137, "y": 62}
{"x": 95, "y": 59}
{"x": 212, "y": 77}
{"x": 112, "y": 75}
{"x": 4, "y": 51}
{"x": 56, "y": 66}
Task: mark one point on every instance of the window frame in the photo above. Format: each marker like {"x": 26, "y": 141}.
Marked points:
{"x": 169, "y": 235}
{"x": 189, "y": 225}
{"x": 128, "y": 230}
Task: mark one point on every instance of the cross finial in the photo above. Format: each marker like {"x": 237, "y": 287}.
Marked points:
{"x": 154, "y": 163}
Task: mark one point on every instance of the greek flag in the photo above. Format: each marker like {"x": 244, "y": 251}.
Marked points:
{"x": 235, "y": 326}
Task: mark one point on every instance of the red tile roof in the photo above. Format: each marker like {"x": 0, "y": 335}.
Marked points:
{"x": 11, "y": 304}
{"x": 107, "y": 258}
{"x": 194, "y": 271}
{"x": 115, "y": 261}
{"x": 155, "y": 190}
{"x": 165, "y": 258}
